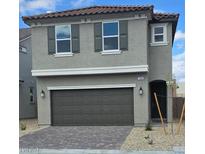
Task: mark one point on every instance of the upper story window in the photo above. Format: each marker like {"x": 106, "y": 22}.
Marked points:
{"x": 63, "y": 39}
{"x": 159, "y": 34}
{"x": 110, "y": 36}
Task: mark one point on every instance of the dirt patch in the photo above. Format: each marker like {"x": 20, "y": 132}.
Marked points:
{"x": 31, "y": 126}
{"x": 136, "y": 139}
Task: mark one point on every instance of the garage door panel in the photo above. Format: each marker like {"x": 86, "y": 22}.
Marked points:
{"x": 97, "y": 109}
{"x": 117, "y": 110}
{"x": 102, "y": 120}
{"x": 92, "y": 107}
{"x": 78, "y": 110}
{"x": 76, "y": 101}
{"x": 116, "y": 100}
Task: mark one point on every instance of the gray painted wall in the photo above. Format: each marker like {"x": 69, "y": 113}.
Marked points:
{"x": 136, "y": 54}
{"x": 160, "y": 66}
{"x": 26, "y": 108}
{"x": 160, "y": 59}
{"x": 140, "y": 101}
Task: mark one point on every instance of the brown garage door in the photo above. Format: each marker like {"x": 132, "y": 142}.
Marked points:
{"x": 92, "y": 107}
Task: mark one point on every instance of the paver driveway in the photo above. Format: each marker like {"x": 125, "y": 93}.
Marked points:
{"x": 80, "y": 137}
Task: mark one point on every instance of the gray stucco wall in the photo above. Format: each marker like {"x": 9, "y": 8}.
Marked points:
{"x": 140, "y": 101}
{"x": 26, "y": 108}
{"x": 160, "y": 59}
{"x": 160, "y": 66}
{"x": 136, "y": 54}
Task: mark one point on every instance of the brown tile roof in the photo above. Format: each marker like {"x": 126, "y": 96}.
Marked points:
{"x": 165, "y": 16}
{"x": 91, "y": 11}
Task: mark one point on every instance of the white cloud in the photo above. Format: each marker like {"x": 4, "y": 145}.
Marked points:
{"x": 180, "y": 45}
{"x": 81, "y": 3}
{"x": 158, "y": 11}
{"x": 179, "y": 35}
{"x": 29, "y": 7}
{"x": 179, "y": 67}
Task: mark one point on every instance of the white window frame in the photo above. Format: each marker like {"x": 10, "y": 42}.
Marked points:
{"x": 115, "y": 51}
{"x": 164, "y": 42}
{"x": 60, "y": 54}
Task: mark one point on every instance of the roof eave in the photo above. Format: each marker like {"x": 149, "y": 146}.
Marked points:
{"x": 29, "y": 21}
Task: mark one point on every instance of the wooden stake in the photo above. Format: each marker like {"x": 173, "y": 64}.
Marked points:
{"x": 180, "y": 121}
{"x": 160, "y": 114}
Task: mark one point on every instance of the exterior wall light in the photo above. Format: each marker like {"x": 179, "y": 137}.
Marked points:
{"x": 42, "y": 93}
{"x": 140, "y": 91}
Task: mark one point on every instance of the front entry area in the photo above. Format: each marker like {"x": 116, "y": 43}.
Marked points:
{"x": 160, "y": 88}
{"x": 88, "y": 107}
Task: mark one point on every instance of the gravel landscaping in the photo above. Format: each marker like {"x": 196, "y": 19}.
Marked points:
{"x": 136, "y": 139}
{"x": 31, "y": 126}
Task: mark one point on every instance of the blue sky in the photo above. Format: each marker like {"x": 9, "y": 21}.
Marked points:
{"x": 31, "y": 7}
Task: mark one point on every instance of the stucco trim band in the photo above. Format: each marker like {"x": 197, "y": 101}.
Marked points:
{"x": 92, "y": 87}
{"x": 94, "y": 70}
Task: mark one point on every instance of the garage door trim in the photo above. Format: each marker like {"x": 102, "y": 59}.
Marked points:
{"x": 91, "y": 87}
{"x": 51, "y": 105}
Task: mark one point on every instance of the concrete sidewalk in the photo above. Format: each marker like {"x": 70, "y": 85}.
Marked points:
{"x": 178, "y": 150}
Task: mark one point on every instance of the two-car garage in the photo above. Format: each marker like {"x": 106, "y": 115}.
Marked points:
{"x": 81, "y": 107}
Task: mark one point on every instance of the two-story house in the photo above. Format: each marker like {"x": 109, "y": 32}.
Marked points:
{"x": 27, "y": 83}
{"x": 100, "y": 65}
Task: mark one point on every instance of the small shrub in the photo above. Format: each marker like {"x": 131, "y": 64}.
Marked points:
{"x": 23, "y": 126}
{"x": 150, "y": 141}
{"x": 148, "y": 127}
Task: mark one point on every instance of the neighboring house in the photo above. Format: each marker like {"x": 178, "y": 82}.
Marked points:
{"x": 27, "y": 83}
{"x": 100, "y": 65}
{"x": 180, "y": 91}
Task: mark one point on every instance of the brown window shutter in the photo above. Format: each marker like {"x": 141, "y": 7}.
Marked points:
{"x": 98, "y": 36}
{"x": 123, "y": 35}
{"x": 51, "y": 40}
{"x": 75, "y": 34}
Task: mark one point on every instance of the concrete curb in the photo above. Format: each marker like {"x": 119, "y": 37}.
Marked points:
{"x": 179, "y": 150}
{"x": 89, "y": 151}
